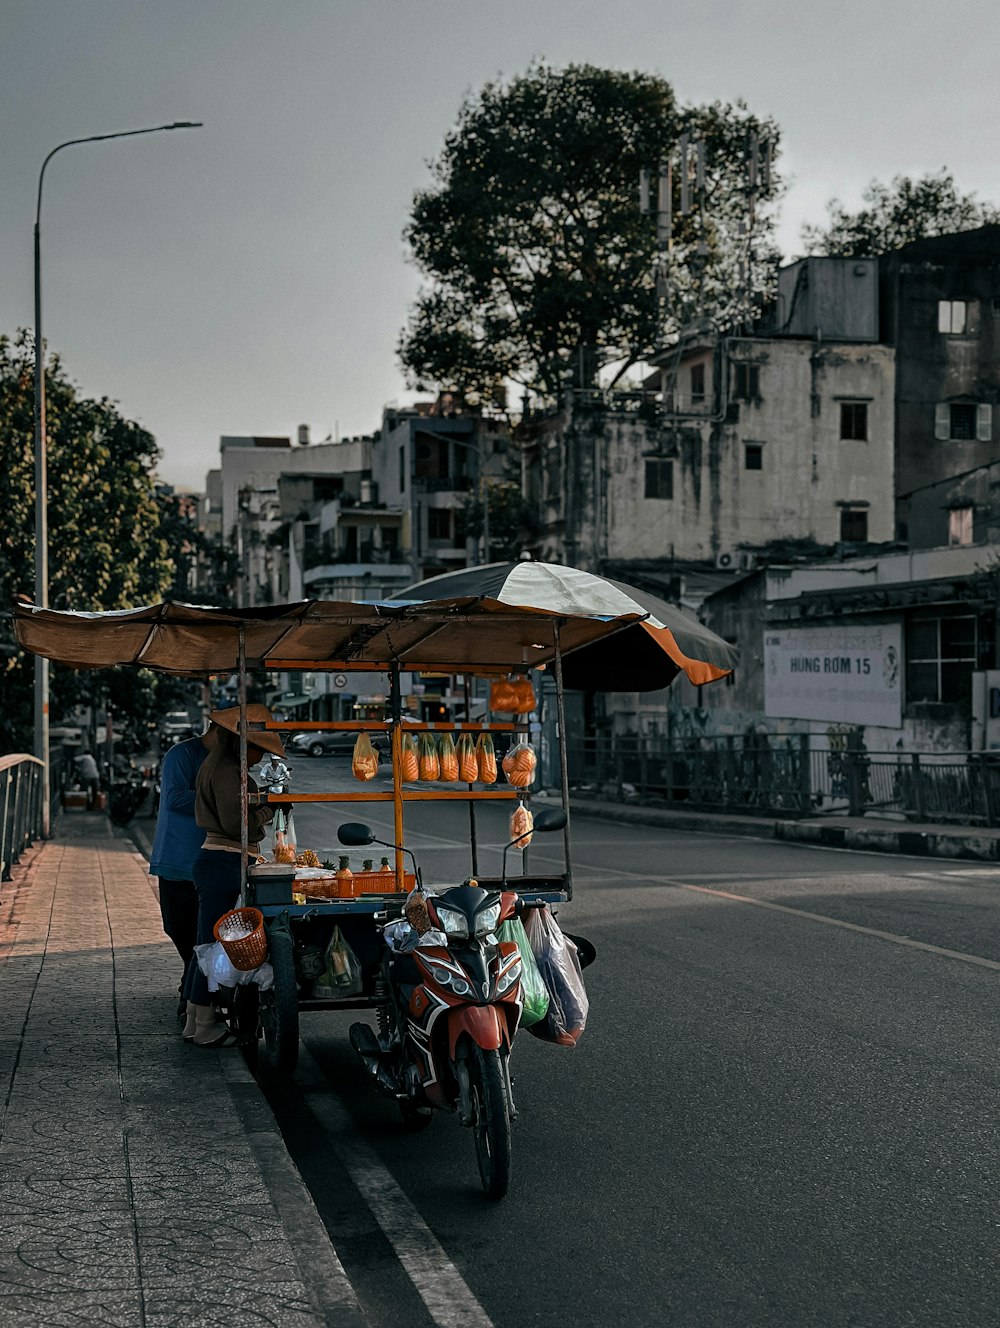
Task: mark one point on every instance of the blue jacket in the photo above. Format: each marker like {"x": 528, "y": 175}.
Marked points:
{"x": 178, "y": 837}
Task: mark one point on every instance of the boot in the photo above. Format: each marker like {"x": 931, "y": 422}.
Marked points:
{"x": 210, "y": 1031}
{"x": 190, "y": 1022}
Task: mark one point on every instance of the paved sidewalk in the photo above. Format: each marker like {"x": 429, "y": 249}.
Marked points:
{"x": 142, "y": 1182}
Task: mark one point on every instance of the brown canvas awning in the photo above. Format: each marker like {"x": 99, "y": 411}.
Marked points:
{"x": 465, "y": 634}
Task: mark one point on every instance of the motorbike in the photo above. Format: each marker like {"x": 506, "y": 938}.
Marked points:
{"x": 451, "y": 1008}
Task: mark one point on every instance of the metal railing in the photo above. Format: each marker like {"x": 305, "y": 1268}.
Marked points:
{"x": 791, "y": 774}
{"x": 20, "y": 807}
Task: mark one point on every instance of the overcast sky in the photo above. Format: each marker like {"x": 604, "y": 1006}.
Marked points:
{"x": 250, "y": 276}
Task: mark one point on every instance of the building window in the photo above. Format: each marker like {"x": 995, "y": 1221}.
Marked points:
{"x": 697, "y": 384}
{"x": 402, "y": 470}
{"x": 853, "y": 525}
{"x": 941, "y": 655}
{"x": 963, "y": 421}
{"x": 753, "y": 456}
{"x": 659, "y": 477}
{"x": 854, "y": 420}
{"x": 952, "y": 316}
{"x": 746, "y": 382}
{"x": 439, "y": 524}
{"x": 960, "y": 525}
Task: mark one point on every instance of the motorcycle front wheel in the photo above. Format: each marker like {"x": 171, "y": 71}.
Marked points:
{"x": 491, "y": 1121}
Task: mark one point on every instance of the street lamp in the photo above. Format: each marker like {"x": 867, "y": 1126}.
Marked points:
{"x": 41, "y": 482}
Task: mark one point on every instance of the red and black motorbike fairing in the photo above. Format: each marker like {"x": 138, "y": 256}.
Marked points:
{"x": 470, "y": 987}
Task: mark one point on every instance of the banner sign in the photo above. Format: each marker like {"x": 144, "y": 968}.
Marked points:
{"x": 838, "y": 675}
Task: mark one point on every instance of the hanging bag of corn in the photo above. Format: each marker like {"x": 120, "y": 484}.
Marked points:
{"x": 430, "y": 764}
{"x": 468, "y": 763}
{"x": 448, "y": 758}
{"x": 410, "y": 765}
{"x": 487, "y": 759}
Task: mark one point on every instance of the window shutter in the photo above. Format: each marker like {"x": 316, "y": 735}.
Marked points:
{"x": 984, "y": 423}
{"x": 942, "y": 420}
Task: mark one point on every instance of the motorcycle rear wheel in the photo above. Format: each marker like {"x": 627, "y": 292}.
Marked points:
{"x": 491, "y": 1121}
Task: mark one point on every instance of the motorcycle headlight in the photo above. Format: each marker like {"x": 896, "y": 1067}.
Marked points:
{"x": 452, "y": 922}
{"x": 509, "y": 978}
{"x": 446, "y": 978}
{"x": 486, "y": 919}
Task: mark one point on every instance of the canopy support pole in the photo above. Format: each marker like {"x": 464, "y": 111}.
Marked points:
{"x": 473, "y": 842}
{"x": 563, "y": 760}
{"x": 396, "y": 713}
{"x": 241, "y": 657}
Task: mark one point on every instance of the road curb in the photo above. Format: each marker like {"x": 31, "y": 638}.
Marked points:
{"x": 908, "y": 840}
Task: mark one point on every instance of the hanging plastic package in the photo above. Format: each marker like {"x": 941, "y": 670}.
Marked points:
{"x": 522, "y": 823}
{"x": 341, "y": 976}
{"x": 559, "y": 965}
{"x": 534, "y": 995}
{"x": 512, "y": 696}
{"x": 284, "y": 835}
{"x": 448, "y": 758}
{"x": 468, "y": 764}
{"x": 519, "y": 764}
{"x": 364, "y": 763}
{"x": 430, "y": 763}
{"x": 487, "y": 759}
{"x": 502, "y": 697}
{"x": 409, "y": 762}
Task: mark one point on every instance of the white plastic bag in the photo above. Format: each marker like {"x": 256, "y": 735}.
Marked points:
{"x": 218, "y": 968}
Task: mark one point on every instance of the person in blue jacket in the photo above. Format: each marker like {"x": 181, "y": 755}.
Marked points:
{"x": 177, "y": 843}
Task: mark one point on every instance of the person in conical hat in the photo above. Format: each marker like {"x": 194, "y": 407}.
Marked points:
{"x": 218, "y": 810}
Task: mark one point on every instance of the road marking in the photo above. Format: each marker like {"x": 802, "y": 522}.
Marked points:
{"x": 847, "y": 926}
{"x": 438, "y": 1282}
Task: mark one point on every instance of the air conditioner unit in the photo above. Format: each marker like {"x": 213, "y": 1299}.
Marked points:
{"x": 748, "y": 561}
{"x": 727, "y": 561}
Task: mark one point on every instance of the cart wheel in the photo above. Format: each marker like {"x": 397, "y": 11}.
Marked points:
{"x": 279, "y": 1009}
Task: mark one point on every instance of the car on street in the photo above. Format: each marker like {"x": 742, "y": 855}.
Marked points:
{"x": 176, "y": 726}
{"x": 329, "y": 744}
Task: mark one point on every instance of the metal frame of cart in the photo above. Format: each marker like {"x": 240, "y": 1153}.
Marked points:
{"x": 466, "y": 636}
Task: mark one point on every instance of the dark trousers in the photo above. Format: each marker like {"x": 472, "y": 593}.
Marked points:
{"x": 217, "y": 885}
{"x": 179, "y": 911}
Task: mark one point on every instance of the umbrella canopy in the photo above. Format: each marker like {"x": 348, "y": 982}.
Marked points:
{"x": 643, "y": 657}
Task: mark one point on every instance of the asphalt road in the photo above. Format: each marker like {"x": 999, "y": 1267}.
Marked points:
{"x": 783, "y": 1110}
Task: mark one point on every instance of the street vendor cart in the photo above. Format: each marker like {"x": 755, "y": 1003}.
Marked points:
{"x": 477, "y": 639}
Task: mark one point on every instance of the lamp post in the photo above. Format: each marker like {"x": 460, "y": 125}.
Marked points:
{"x": 41, "y": 480}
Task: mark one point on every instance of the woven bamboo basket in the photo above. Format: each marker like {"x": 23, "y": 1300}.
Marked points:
{"x": 241, "y": 935}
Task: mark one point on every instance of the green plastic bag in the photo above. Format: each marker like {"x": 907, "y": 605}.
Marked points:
{"x": 534, "y": 994}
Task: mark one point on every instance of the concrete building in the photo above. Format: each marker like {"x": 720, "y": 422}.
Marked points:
{"x": 752, "y": 440}
{"x": 431, "y": 461}
{"x": 940, "y": 310}
{"x": 893, "y": 646}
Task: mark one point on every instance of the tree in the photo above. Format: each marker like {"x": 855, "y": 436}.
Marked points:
{"x": 538, "y": 263}
{"x": 897, "y": 213}
{"x": 107, "y": 548}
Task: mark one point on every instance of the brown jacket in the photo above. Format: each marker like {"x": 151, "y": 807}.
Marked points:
{"x": 217, "y": 804}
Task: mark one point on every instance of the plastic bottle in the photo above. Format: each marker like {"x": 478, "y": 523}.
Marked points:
{"x": 345, "y": 879}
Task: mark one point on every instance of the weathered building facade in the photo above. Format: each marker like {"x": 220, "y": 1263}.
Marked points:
{"x": 771, "y": 439}
{"x": 940, "y": 310}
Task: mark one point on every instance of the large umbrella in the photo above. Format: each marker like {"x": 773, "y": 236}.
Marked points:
{"x": 642, "y": 657}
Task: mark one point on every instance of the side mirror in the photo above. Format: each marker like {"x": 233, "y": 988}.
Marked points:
{"x": 550, "y": 818}
{"x": 355, "y": 834}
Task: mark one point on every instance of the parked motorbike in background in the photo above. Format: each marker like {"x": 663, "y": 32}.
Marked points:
{"x": 452, "y": 1008}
